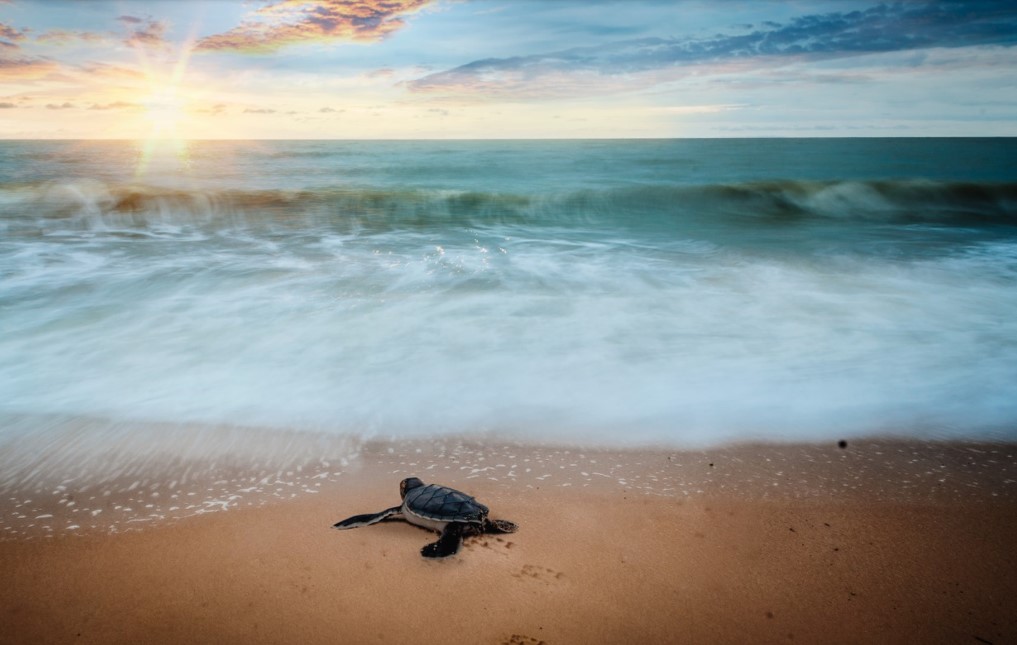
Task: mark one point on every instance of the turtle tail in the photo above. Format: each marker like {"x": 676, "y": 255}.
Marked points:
{"x": 369, "y": 518}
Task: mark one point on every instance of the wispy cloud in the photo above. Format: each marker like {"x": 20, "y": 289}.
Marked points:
{"x": 290, "y": 22}
{"x": 13, "y": 65}
{"x": 11, "y": 34}
{"x": 6, "y": 105}
{"x": 65, "y": 36}
{"x": 259, "y": 111}
{"x": 116, "y": 105}
{"x": 59, "y": 106}
{"x": 143, "y": 31}
{"x": 214, "y": 110}
{"x": 108, "y": 72}
{"x": 882, "y": 28}
{"x": 24, "y": 68}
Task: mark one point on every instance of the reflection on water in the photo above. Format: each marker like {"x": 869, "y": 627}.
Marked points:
{"x": 162, "y": 158}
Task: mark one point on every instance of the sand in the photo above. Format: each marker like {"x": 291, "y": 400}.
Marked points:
{"x": 878, "y": 542}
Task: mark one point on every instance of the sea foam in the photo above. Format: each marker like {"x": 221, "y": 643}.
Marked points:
{"x": 644, "y": 309}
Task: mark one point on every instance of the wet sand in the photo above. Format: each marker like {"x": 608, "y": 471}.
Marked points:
{"x": 876, "y": 542}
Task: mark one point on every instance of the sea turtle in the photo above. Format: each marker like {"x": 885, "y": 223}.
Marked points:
{"x": 453, "y": 514}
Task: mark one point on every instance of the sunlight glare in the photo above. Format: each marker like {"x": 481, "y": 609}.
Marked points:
{"x": 164, "y": 112}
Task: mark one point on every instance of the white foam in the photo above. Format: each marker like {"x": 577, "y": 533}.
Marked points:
{"x": 591, "y": 303}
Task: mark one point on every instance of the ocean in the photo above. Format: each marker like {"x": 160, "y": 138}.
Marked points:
{"x": 632, "y": 293}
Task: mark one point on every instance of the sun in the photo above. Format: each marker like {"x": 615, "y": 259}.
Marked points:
{"x": 165, "y": 147}
{"x": 164, "y": 112}
{"x": 166, "y": 103}
{"x": 166, "y": 116}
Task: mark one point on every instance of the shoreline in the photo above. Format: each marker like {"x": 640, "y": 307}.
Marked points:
{"x": 72, "y": 479}
{"x": 857, "y": 544}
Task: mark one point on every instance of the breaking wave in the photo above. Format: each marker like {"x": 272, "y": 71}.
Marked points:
{"x": 656, "y": 292}
{"x": 97, "y": 206}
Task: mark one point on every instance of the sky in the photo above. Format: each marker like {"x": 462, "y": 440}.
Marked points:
{"x": 402, "y": 69}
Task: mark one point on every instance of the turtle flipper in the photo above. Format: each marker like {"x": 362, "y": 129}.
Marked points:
{"x": 368, "y": 518}
{"x": 448, "y": 544}
{"x": 499, "y": 526}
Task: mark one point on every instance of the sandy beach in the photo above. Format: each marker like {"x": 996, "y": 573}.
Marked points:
{"x": 875, "y": 542}
{"x": 716, "y": 303}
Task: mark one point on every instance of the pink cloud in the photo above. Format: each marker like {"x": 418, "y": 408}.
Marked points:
{"x": 116, "y": 105}
{"x": 9, "y": 36}
{"x": 11, "y": 33}
{"x": 14, "y": 66}
{"x": 64, "y": 36}
{"x": 107, "y": 72}
{"x": 26, "y": 68}
{"x": 143, "y": 31}
{"x": 289, "y": 22}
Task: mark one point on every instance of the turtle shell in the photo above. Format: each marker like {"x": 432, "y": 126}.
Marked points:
{"x": 444, "y": 504}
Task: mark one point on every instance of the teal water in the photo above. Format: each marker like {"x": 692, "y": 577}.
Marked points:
{"x": 675, "y": 292}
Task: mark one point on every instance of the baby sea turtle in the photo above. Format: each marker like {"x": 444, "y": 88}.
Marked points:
{"x": 439, "y": 508}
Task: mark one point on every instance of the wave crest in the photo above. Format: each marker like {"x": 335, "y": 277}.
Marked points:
{"x": 94, "y": 205}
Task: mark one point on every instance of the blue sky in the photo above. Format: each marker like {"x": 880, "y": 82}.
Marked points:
{"x": 506, "y": 68}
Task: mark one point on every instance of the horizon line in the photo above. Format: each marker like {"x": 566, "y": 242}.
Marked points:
{"x": 394, "y": 139}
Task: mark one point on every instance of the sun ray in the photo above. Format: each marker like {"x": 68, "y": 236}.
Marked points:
{"x": 166, "y": 112}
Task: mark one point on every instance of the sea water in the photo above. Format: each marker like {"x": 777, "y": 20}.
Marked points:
{"x": 676, "y": 292}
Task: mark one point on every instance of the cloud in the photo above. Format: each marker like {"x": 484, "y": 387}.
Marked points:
{"x": 143, "y": 32}
{"x": 7, "y": 105}
{"x": 116, "y": 105}
{"x": 289, "y": 22}
{"x": 259, "y": 111}
{"x": 11, "y": 34}
{"x": 882, "y": 28}
{"x": 23, "y": 68}
{"x": 106, "y": 71}
{"x": 701, "y": 109}
{"x": 64, "y": 36}
{"x": 63, "y": 106}
{"x": 215, "y": 110}
{"x": 326, "y": 110}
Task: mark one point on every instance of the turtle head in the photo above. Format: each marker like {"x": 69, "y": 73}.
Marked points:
{"x": 408, "y": 484}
